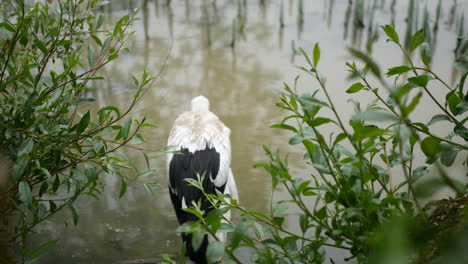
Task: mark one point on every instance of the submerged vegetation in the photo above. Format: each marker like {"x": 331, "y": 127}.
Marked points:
{"x": 54, "y": 148}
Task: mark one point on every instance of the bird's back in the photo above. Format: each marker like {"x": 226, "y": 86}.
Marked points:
{"x": 195, "y": 130}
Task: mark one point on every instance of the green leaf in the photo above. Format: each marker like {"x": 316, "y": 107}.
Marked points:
{"x": 355, "y": 88}
{"x": 240, "y": 232}
{"x": 321, "y": 213}
{"x": 105, "y": 46}
{"x": 74, "y": 214}
{"x": 52, "y": 206}
{"x": 214, "y": 216}
{"x": 91, "y": 172}
{"x": 339, "y": 138}
{"x": 83, "y": 124}
{"x": 296, "y": 139}
{"x": 25, "y": 193}
{"x": 126, "y": 128}
{"x": 316, "y": 54}
{"x": 91, "y": 56}
{"x": 83, "y": 101}
{"x": 461, "y": 85}
{"x": 19, "y": 167}
{"x": 309, "y": 146}
{"x": 420, "y": 80}
{"x": 40, "y": 45}
{"x": 197, "y": 238}
{"x": 417, "y": 40}
{"x": 462, "y": 132}
{"x": 403, "y": 90}
{"x": 146, "y": 160}
{"x": 438, "y": 118}
{"x": 422, "y": 126}
{"x": 194, "y": 183}
{"x": 303, "y": 223}
{"x": 373, "y": 66}
{"x": 320, "y": 121}
{"x": 306, "y": 57}
{"x": 56, "y": 184}
{"x": 26, "y": 147}
{"x": 41, "y": 249}
{"x": 375, "y": 115}
{"x": 97, "y": 40}
{"x": 187, "y": 227}
{"x": 462, "y": 107}
{"x": 398, "y": 70}
{"x": 43, "y": 189}
{"x": 430, "y": 146}
{"x": 137, "y": 139}
{"x": 113, "y": 57}
{"x": 453, "y": 100}
{"x": 215, "y": 251}
{"x": 260, "y": 231}
{"x": 123, "y": 188}
{"x": 308, "y": 192}
{"x": 110, "y": 108}
{"x": 461, "y": 64}
{"x": 414, "y": 102}
{"x": 79, "y": 176}
{"x": 362, "y": 132}
{"x": 418, "y": 173}
{"x": 99, "y": 22}
{"x": 391, "y": 33}
{"x": 284, "y": 126}
{"x": 92, "y": 78}
{"x": 145, "y": 174}
{"x": 308, "y": 101}
{"x": 278, "y": 209}
{"x": 448, "y": 155}
{"x": 426, "y": 54}
{"x": 7, "y": 25}
{"x": 103, "y": 3}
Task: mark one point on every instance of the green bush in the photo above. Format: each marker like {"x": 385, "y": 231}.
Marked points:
{"x": 351, "y": 199}
{"x": 51, "y": 53}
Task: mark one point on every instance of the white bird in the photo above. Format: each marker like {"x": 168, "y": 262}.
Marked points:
{"x": 204, "y": 149}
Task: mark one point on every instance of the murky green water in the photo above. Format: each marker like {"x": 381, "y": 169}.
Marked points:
{"x": 239, "y": 83}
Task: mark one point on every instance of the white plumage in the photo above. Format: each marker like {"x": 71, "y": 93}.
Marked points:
{"x": 199, "y": 128}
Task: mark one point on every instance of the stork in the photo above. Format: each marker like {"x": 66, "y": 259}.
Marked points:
{"x": 204, "y": 148}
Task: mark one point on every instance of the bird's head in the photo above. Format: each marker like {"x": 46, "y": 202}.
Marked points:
{"x": 200, "y": 103}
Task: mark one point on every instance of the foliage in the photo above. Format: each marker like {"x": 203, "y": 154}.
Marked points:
{"x": 354, "y": 198}
{"x": 51, "y": 52}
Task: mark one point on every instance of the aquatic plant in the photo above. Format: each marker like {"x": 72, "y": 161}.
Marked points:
{"x": 51, "y": 54}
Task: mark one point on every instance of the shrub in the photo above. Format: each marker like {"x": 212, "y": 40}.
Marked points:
{"x": 51, "y": 53}
{"x": 351, "y": 199}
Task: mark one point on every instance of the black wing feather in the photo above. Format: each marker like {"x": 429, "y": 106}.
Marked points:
{"x": 186, "y": 165}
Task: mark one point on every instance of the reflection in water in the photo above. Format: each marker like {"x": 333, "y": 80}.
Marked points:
{"x": 145, "y": 18}
{"x": 170, "y": 18}
{"x": 347, "y": 16}
{"x": 331, "y": 7}
{"x": 238, "y": 83}
{"x": 452, "y": 13}
{"x": 411, "y": 22}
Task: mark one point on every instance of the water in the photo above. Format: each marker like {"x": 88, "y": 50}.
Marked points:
{"x": 239, "y": 82}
